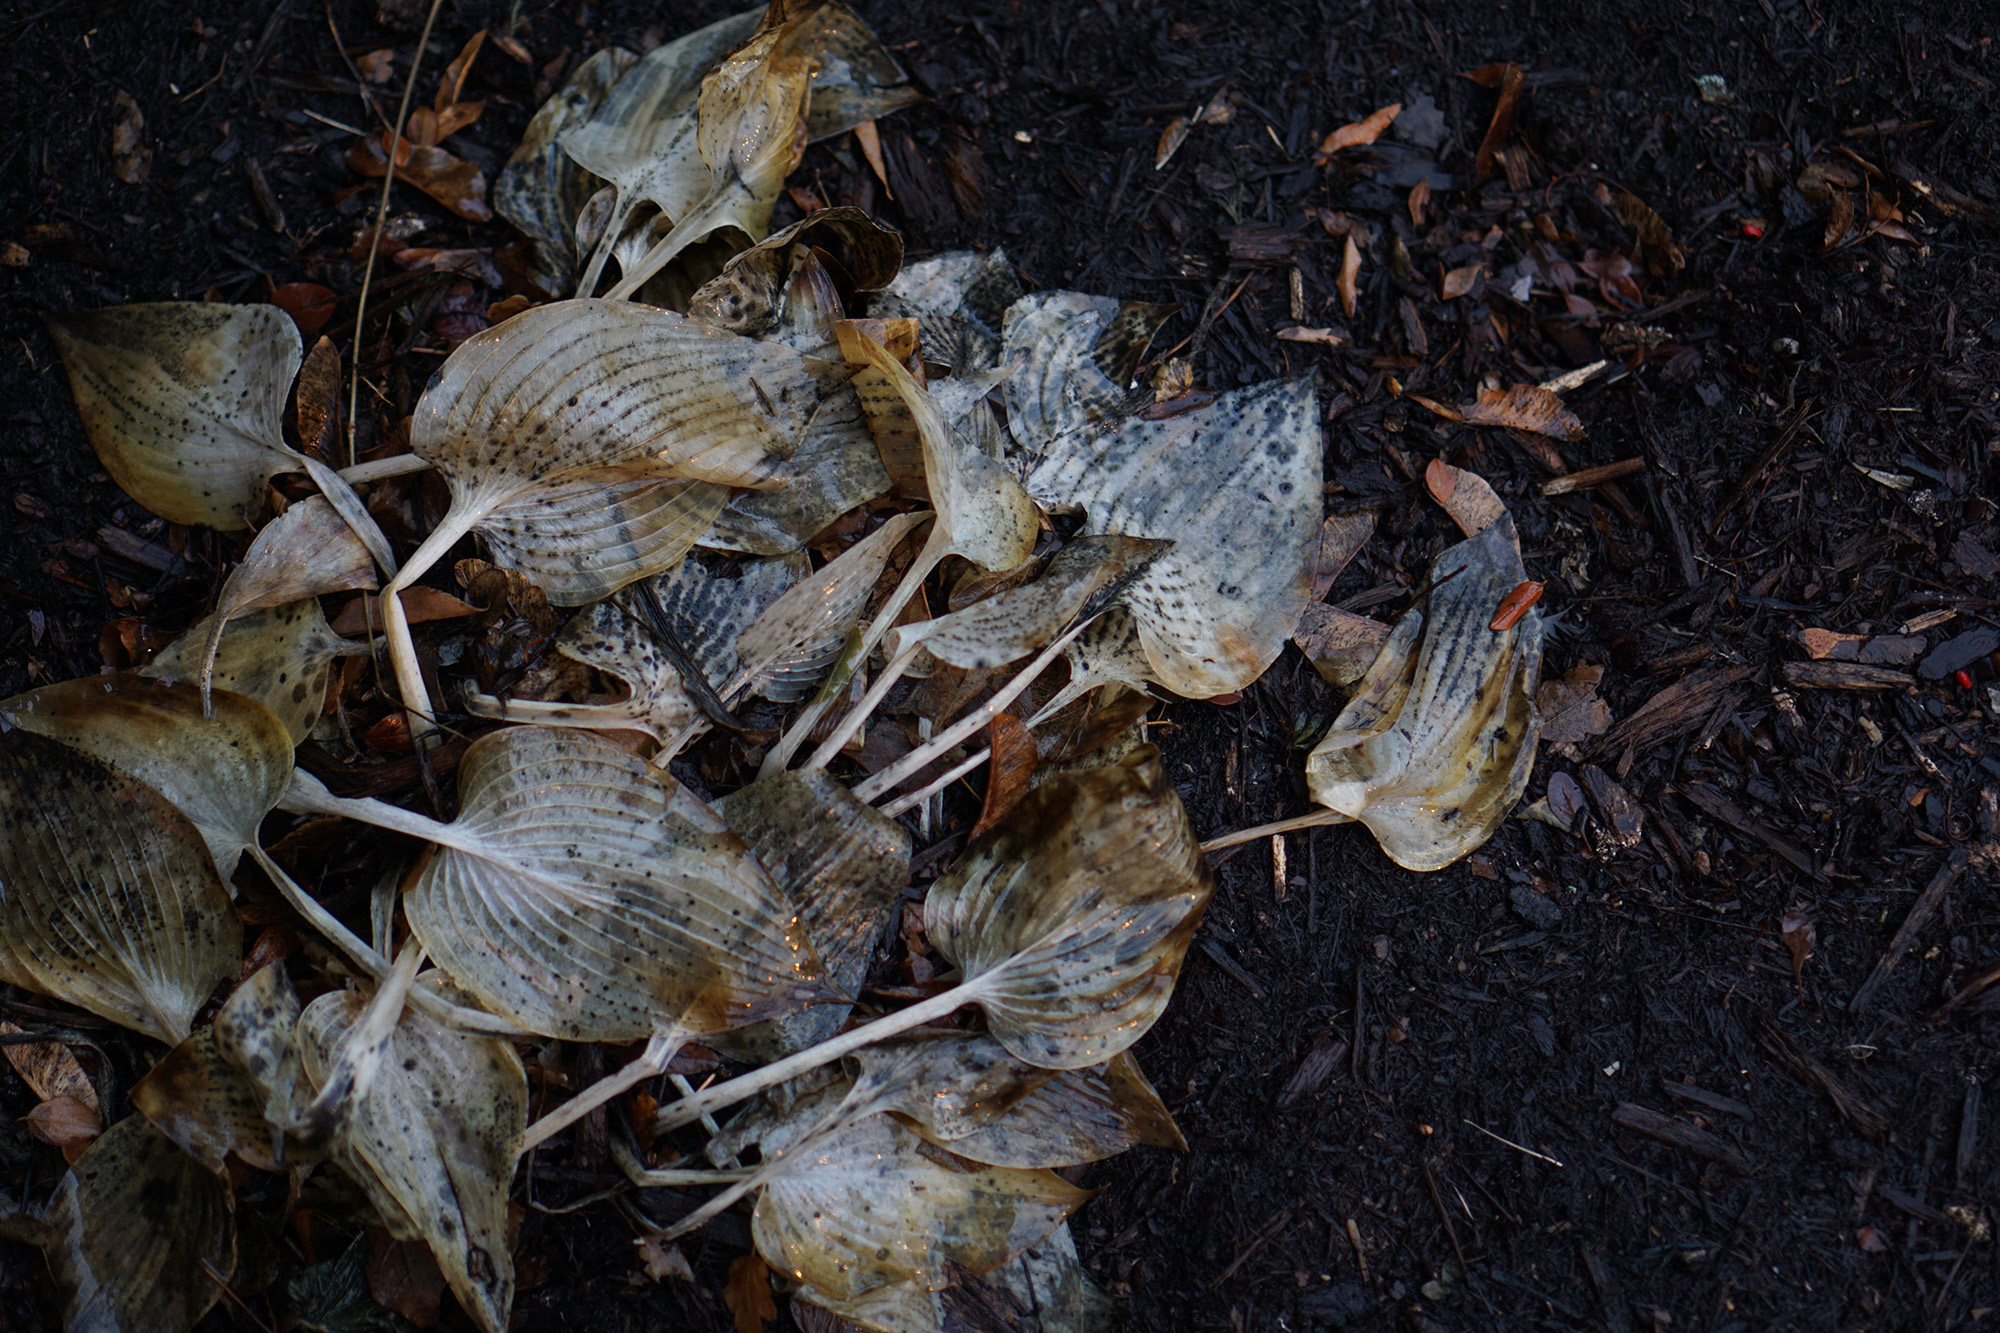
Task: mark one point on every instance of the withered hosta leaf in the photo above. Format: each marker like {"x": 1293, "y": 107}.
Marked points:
{"x": 434, "y": 1142}
{"x": 1436, "y": 746}
{"x": 279, "y": 657}
{"x": 857, "y": 80}
{"x": 541, "y": 189}
{"x": 580, "y": 894}
{"x": 225, "y": 771}
{"x": 874, "y": 1206}
{"x": 208, "y": 1106}
{"x": 843, "y": 866}
{"x": 750, "y": 295}
{"x": 1108, "y": 652}
{"x": 960, "y": 301}
{"x": 1078, "y": 355}
{"x": 185, "y": 402}
{"x": 112, "y": 901}
{"x": 1015, "y": 623}
{"x": 134, "y": 1222}
{"x": 1070, "y": 919}
{"x": 592, "y": 442}
{"x": 1236, "y": 487}
{"x": 254, "y": 1032}
{"x": 307, "y": 551}
{"x": 1570, "y": 708}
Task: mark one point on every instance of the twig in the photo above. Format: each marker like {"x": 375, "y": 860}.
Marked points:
{"x": 1920, "y": 916}
{"x": 1540, "y": 1157}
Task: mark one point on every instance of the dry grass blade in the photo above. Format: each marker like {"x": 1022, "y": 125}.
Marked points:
{"x": 133, "y": 1225}
{"x": 112, "y": 903}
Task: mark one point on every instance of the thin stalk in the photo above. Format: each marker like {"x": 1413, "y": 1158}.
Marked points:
{"x": 381, "y": 469}
{"x": 359, "y": 1057}
{"x": 396, "y": 624}
{"x": 858, "y": 714}
{"x": 916, "y": 760}
{"x": 669, "y": 1177}
{"x": 837, "y": 681}
{"x": 689, "y": 1109}
{"x": 653, "y": 1060}
{"x": 904, "y": 804}
{"x": 1315, "y": 819}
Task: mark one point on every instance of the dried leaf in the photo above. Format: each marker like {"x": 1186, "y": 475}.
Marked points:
{"x": 112, "y": 903}
{"x": 433, "y": 1142}
{"x": 404, "y": 1278}
{"x": 1236, "y": 487}
{"x": 1457, "y": 282}
{"x": 581, "y": 894}
{"x": 184, "y": 402}
{"x": 1350, "y": 271}
{"x": 1171, "y": 140}
{"x": 1509, "y": 79}
{"x": 1341, "y": 538}
{"x": 541, "y": 189}
{"x": 278, "y": 657}
{"x": 1570, "y": 708}
{"x": 422, "y": 605}
{"x": 876, "y": 1206}
{"x": 1108, "y": 652}
{"x": 457, "y": 184}
{"x": 1340, "y": 645}
{"x": 1078, "y": 356}
{"x": 842, "y": 865}
{"x": 225, "y": 771}
{"x": 65, "y": 1123}
{"x": 1070, "y": 918}
{"x": 786, "y": 649}
{"x": 1436, "y": 746}
{"x": 131, "y": 158}
{"x": 136, "y": 1227}
{"x": 1525, "y": 407}
{"x": 1010, "y": 764}
{"x": 1800, "y": 936}
{"x": 592, "y": 442}
{"x": 47, "y": 1067}
{"x": 960, "y": 301}
{"x": 209, "y": 1107}
{"x": 858, "y": 80}
{"x": 1565, "y": 801}
{"x": 1663, "y": 257}
{"x": 1358, "y": 135}
{"x": 662, "y": 1261}
{"x": 310, "y": 306}
{"x": 1466, "y": 496}
{"x": 748, "y": 1294}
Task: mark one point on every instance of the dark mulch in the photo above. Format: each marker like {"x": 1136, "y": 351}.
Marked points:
{"x": 1566, "y": 1083}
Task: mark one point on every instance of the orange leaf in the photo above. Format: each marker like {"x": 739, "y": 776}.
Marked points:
{"x": 455, "y": 72}
{"x": 1525, "y": 407}
{"x": 1350, "y": 268}
{"x": 65, "y": 1123}
{"x": 1358, "y": 135}
{"x": 420, "y": 604}
{"x": 748, "y": 1294}
{"x": 1515, "y": 605}
{"x": 1459, "y": 281}
{"x": 1008, "y": 769}
{"x": 309, "y": 304}
{"x": 1509, "y": 80}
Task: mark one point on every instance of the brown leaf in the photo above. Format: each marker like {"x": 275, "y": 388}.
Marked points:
{"x": 131, "y": 159}
{"x": 309, "y": 304}
{"x": 317, "y": 402}
{"x": 1870, "y": 1240}
{"x": 1171, "y": 140}
{"x": 453, "y": 84}
{"x": 65, "y": 1123}
{"x": 1525, "y": 407}
{"x": 1466, "y": 496}
{"x": 1008, "y": 771}
{"x": 1664, "y": 258}
{"x": 1839, "y": 220}
{"x": 1350, "y": 269}
{"x": 460, "y": 186}
{"x": 1565, "y": 799}
{"x": 748, "y": 1294}
{"x": 420, "y": 604}
{"x": 1570, "y": 708}
{"x": 48, "y": 1068}
{"x": 1459, "y": 281}
{"x": 1338, "y": 643}
{"x": 1800, "y": 935}
{"x": 1358, "y": 135}
{"x": 1509, "y": 79}
{"x": 1341, "y": 538}
{"x": 403, "y": 1277}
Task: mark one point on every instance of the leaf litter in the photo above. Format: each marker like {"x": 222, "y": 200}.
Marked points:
{"x": 710, "y": 505}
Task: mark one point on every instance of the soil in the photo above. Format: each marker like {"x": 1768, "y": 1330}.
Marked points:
{"x": 1586, "y": 1079}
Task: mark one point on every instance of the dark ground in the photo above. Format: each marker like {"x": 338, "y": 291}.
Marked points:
{"x": 1459, "y": 1162}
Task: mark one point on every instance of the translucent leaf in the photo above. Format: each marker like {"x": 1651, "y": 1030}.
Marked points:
{"x": 184, "y": 402}
{"x": 1437, "y": 743}
{"x": 137, "y": 1226}
{"x": 112, "y": 901}
{"x": 1014, "y": 623}
{"x": 434, "y": 1142}
{"x": 1078, "y": 356}
{"x": 843, "y": 866}
{"x": 580, "y": 894}
{"x": 875, "y": 1206}
{"x": 254, "y": 1031}
{"x": 751, "y": 294}
{"x": 1236, "y": 487}
{"x": 541, "y": 189}
{"x": 574, "y": 433}
{"x": 1108, "y": 652}
{"x": 307, "y": 551}
{"x": 857, "y": 80}
{"x": 1070, "y": 919}
{"x": 208, "y": 1107}
{"x": 225, "y": 771}
{"x": 279, "y": 657}
{"x": 960, "y": 301}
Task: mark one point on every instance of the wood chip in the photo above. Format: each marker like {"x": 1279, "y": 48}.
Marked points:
{"x": 1920, "y": 916}
{"x": 1714, "y": 803}
{"x": 1781, "y": 1047}
{"x": 1593, "y": 476}
{"x": 1845, "y": 676}
{"x": 1680, "y": 708}
{"x": 1682, "y": 1135}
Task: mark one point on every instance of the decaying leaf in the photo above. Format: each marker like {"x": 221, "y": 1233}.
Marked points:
{"x": 1087, "y": 861}
{"x": 1570, "y": 708}
{"x": 1358, "y": 135}
{"x": 750, "y": 295}
{"x": 278, "y": 657}
{"x": 307, "y": 551}
{"x": 67, "y": 1124}
{"x": 136, "y": 1227}
{"x": 112, "y": 902}
{"x": 1077, "y": 357}
{"x": 47, "y": 1067}
{"x": 541, "y": 189}
{"x": 1663, "y": 257}
{"x": 1010, "y": 766}
{"x": 224, "y": 771}
{"x": 209, "y": 1107}
{"x": 1468, "y": 497}
{"x": 876, "y": 1207}
{"x": 1347, "y": 283}
{"x": 1340, "y": 645}
{"x": 748, "y": 1294}
{"x": 1236, "y": 487}
{"x": 583, "y": 895}
{"x": 184, "y": 402}
{"x": 842, "y": 865}
{"x": 1800, "y": 936}
{"x": 1436, "y": 746}
{"x": 1525, "y": 407}
{"x": 960, "y": 301}
{"x": 1108, "y": 652}
{"x": 131, "y": 156}
{"x": 434, "y": 1142}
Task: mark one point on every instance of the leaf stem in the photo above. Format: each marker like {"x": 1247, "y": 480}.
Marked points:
{"x": 396, "y": 624}
{"x": 1315, "y": 819}
{"x": 858, "y": 714}
{"x": 653, "y": 1060}
{"x": 903, "y": 804}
